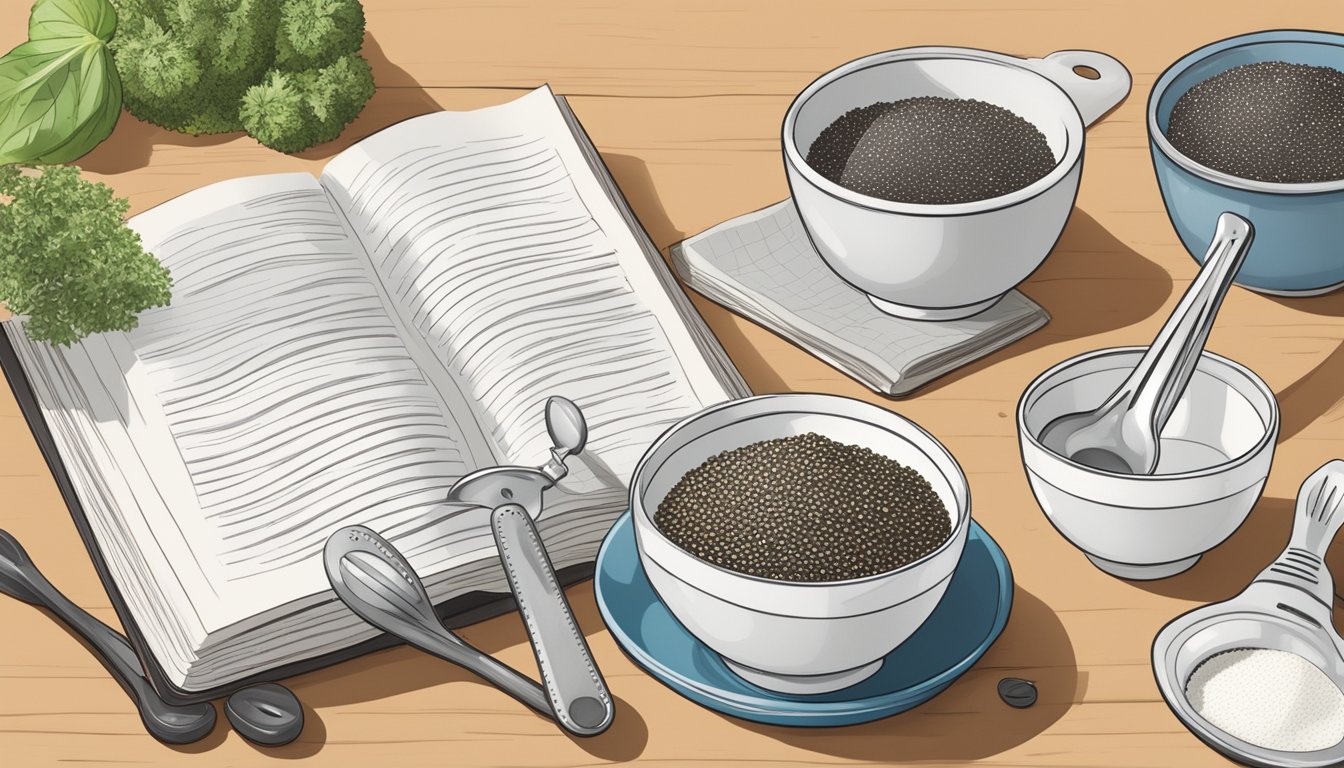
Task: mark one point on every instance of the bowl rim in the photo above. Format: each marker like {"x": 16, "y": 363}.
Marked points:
{"x": 1270, "y": 433}
{"x": 1159, "y": 139}
{"x": 1069, "y": 159}
{"x": 959, "y": 528}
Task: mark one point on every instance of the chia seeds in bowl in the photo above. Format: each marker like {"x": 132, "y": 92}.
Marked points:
{"x": 837, "y": 632}
{"x": 931, "y": 150}
{"x": 1270, "y": 121}
{"x": 804, "y": 508}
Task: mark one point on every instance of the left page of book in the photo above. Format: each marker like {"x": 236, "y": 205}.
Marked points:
{"x": 216, "y": 445}
{"x": 513, "y": 268}
{"x": 505, "y": 255}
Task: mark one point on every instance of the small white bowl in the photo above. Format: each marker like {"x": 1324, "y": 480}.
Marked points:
{"x": 1215, "y": 455}
{"x": 796, "y": 637}
{"x": 942, "y": 262}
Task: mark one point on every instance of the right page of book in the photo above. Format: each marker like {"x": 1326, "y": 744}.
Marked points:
{"x": 493, "y": 236}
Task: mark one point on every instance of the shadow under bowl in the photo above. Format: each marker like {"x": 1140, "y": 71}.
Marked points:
{"x": 1215, "y": 454}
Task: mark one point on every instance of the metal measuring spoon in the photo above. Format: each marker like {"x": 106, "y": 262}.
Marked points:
{"x": 172, "y": 724}
{"x": 375, "y": 581}
{"x": 578, "y": 694}
{"x": 1286, "y": 608}
{"x": 1121, "y": 435}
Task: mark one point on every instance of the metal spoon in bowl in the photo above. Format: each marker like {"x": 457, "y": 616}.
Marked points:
{"x": 1121, "y": 435}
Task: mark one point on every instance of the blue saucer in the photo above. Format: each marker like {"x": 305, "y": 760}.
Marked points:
{"x": 963, "y": 626}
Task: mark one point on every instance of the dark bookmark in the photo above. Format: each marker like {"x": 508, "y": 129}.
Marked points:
{"x": 266, "y": 714}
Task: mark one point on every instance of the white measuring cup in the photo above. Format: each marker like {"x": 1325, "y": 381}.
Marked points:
{"x": 1287, "y": 608}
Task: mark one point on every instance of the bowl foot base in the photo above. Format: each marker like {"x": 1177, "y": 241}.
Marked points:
{"x": 805, "y": 684}
{"x": 1143, "y": 572}
{"x": 932, "y": 314}
{"x": 1295, "y": 293}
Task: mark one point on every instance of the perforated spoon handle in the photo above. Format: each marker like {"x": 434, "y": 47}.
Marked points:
{"x": 1316, "y": 520}
{"x": 571, "y": 678}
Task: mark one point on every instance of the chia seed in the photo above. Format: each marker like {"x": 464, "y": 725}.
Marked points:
{"x": 931, "y": 150}
{"x": 804, "y": 508}
{"x": 1269, "y": 121}
{"x": 1017, "y": 692}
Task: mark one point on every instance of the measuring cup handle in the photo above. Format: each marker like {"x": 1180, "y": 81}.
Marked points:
{"x": 1319, "y": 510}
{"x": 1093, "y": 98}
{"x": 1316, "y": 519}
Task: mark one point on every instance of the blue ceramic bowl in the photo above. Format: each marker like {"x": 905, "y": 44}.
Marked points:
{"x": 1299, "y": 228}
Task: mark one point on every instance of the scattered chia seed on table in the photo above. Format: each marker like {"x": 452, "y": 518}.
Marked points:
{"x": 931, "y": 150}
{"x": 804, "y": 508}
{"x": 1269, "y": 121}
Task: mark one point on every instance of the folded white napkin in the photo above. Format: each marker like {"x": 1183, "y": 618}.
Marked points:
{"x": 763, "y": 266}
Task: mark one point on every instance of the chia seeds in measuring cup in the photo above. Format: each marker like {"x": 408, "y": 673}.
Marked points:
{"x": 1270, "y": 121}
{"x": 804, "y": 508}
{"x": 931, "y": 150}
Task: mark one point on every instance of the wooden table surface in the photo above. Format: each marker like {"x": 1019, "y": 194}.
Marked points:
{"x": 685, "y": 100}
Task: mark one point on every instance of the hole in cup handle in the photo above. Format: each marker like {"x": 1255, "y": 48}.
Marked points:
{"x": 1093, "y": 96}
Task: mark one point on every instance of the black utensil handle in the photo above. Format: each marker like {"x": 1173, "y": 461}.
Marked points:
{"x": 20, "y": 578}
{"x": 115, "y": 650}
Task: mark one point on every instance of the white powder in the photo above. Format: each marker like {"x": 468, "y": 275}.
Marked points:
{"x": 1273, "y": 699}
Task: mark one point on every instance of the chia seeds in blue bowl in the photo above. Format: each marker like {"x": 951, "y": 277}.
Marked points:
{"x": 1298, "y": 223}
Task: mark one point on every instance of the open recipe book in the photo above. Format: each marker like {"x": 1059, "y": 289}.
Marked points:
{"x": 339, "y": 351}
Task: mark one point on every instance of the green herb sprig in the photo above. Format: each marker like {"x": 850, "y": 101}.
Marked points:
{"x": 67, "y": 258}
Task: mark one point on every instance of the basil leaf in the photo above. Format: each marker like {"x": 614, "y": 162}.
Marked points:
{"x": 59, "y": 92}
{"x": 102, "y": 117}
{"x": 72, "y": 18}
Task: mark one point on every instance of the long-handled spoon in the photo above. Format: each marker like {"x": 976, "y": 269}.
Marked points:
{"x": 376, "y": 582}
{"x": 169, "y": 723}
{"x": 1121, "y": 435}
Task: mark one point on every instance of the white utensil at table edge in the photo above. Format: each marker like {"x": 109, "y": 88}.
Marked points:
{"x": 1289, "y": 602}
{"x": 1122, "y": 433}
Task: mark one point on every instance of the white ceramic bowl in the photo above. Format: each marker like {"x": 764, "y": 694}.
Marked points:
{"x": 796, "y": 637}
{"x": 940, "y": 262}
{"x": 1215, "y": 455}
